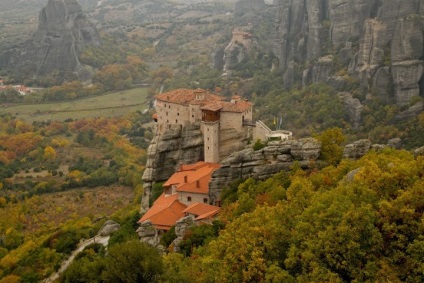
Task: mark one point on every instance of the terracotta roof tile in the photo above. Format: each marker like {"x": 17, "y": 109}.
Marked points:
{"x": 199, "y": 209}
{"x": 193, "y": 178}
{"x": 188, "y": 96}
{"x": 165, "y": 212}
{"x": 207, "y": 215}
{"x": 210, "y": 101}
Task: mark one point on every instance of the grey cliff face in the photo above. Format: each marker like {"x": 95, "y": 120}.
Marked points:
{"x": 379, "y": 42}
{"x": 262, "y": 164}
{"x": 63, "y": 32}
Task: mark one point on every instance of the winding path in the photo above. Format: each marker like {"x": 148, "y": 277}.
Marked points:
{"x": 104, "y": 240}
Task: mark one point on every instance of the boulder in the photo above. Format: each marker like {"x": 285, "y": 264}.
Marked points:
{"x": 181, "y": 227}
{"x": 419, "y": 152}
{"x": 357, "y": 149}
{"x": 412, "y": 111}
{"x": 108, "y": 228}
{"x": 148, "y": 233}
{"x": 395, "y": 143}
{"x": 306, "y": 149}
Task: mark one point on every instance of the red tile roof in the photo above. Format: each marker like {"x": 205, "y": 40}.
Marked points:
{"x": 210, "y": 101}
{"x": 188, "y": 96}
{"x": 165, "y": 212}
{"x": 225, "y": 106}
{"x": 202, "y": 210}
{"x": 193, "y": 178}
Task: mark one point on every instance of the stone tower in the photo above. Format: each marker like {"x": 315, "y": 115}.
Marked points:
{"x": 211, "y": 125}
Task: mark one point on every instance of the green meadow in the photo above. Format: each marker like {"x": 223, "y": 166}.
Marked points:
{"x": 107, "y": 105}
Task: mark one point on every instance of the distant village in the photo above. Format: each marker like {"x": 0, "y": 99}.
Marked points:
{"x": 23, "y": 90}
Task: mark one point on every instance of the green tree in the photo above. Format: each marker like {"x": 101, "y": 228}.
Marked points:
{"x": 132, "y": 262}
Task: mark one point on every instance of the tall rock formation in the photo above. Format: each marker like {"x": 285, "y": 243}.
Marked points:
{"x": 379, "y": 43}
{"x": 63, "y": 32}
{"x": 166, "y": 152}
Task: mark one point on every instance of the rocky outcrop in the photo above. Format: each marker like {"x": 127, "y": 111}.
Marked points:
{"x": 181, "y": 227}
{"x": 379, "y": 42}
{"x": 357, "y": 149}
{"x": 419, "y": 152}
{"x": 353, "y": 107}
{"x": 148, "y": 233}
{"x": 237, "y": 50}
{"x": 263, "y": 163}
{"x": 406, "y": 76}
{"x": 412, "y": 111}
{"x": 178, "y": 145}
{"x": 63, "y": 32}
{"x": 108, "y": 228}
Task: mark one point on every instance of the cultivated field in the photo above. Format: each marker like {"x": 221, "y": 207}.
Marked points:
{"x": 108, "y": 105}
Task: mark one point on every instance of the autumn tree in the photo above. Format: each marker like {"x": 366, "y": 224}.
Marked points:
{"x": 49, "y": 153}
{"x": 331, "y": 145}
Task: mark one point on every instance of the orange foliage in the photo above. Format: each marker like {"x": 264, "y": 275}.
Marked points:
{"x": 7, "y": 156}
{"x": 20, "y": 143}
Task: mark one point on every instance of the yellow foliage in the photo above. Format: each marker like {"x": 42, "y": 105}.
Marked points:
{"x": 76, "y": 175}
{"x": 11, "y": 279}
{"x": 60, "y": 142}
{"x": 49, "y": 153}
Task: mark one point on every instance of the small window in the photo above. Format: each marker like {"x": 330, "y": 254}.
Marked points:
{"x": 176, "y": 121}
{"x": 178, "y": 114}
{"x": 208, "y": 147}
{"x": 208, "y": 138}
{"x": 205, "y": 200}
{"x": 192, "y": 116}
{"x": 188, "y": 198}
{"x": 169, "y": 106}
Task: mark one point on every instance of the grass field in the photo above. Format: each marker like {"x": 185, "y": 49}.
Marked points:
{"x": 108, "y": 105}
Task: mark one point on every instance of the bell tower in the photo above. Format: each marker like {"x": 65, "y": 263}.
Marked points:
{"x": 210, "y": 121}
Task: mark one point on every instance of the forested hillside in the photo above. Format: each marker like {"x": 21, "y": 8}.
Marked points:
{"x": 59, "y": 182}
{"x": 337, "y": 70}
{"x": 355, "y": 222}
